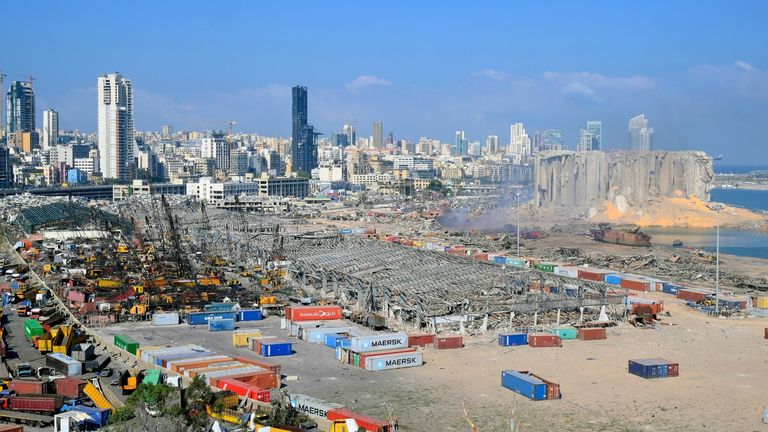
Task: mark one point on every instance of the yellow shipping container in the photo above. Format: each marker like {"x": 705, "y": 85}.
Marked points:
{"x": 268, "y": 300}
{"x": 108, "y": 283}
{"x": 240, "y": 338}
{"x": 762, "y": 302}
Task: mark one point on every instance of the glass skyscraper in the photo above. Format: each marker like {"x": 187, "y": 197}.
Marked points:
{"x": 595, "y": 127}
{"x": 20, "y": 107}
{"x": 303, "y": 147}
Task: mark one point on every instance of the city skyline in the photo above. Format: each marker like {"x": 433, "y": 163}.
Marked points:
{"x": 689, "y": 87}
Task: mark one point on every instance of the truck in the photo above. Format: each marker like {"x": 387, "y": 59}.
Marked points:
{"x": 41, "y": 404}
{"x": 30, "y": 419}
{"x": 24, "y": 370}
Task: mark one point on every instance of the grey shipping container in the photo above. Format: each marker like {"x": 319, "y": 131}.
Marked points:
{"x": 64, "y": 364}
{"x": 161, "y": 319}
{"x": 393, "y": 361}
{"x": 379, "y": 342}
{"x": 312, "y": 407}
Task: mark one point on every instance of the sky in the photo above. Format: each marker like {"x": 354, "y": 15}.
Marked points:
{"x": 698, "y": 70}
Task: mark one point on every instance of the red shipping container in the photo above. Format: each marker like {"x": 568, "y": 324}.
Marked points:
{"x": 29, "y": 387}
{"x": 265, "y": 379}
{"x": 421, "y": 340}
{"x": 367, "y": 423}
{"x": 244, "y": 389}
{"x": 313, "y": 313}
{"x": 481, "y": 256}
{"x": 595, "y": 333}
{"x": 544, "y": 341}
{"x": 592, "y": 275}
{"x": 635, "y": 284}
{"x": 691, "y": 294}
{"x": 449, "y": 342}
{"x": 673, "y": 369}
{"x": 766, "y": 332}
{"x": 364, "y": 356}
{"x": 70, "y": 387}
{"x": 11, "y": 428}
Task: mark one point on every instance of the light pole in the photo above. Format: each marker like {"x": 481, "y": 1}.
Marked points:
{"x": 518, "y": 224}
{"x": 717, "y": 265}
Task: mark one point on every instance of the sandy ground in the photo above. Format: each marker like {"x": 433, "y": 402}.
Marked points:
{"x": 721, "y": 387}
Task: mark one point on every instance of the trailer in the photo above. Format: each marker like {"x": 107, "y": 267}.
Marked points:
{"x": 30, "y": 419}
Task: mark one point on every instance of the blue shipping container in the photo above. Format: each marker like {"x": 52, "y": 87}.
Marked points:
{"x": 98, "y": 416}
{"x": 202, "y": 318}
{"x": 500, "y": 260}
{"x": 276, "y": 349}
{"x": 613, "y": 279}
{"x": 670, "y": 288}
{"x": 221, "y": 325}
{"x": 513, "y": 339}
{"x": 249, "y": 315}
{"x": 648, "y": 368}
{"x": 524, "y": 384}
{"x": 335, "y": 340}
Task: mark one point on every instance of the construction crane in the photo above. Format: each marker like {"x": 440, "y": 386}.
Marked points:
{"x": 2, "y": 105}
{"x": 230, "y": 125}
{"x": 183, "y": 266}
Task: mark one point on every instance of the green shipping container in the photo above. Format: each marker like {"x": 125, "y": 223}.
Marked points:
{"x": 33, "y": 328}
{"x": 546, "y": 267}
{"x": 356, "y": 359}
{"x": 152, "y": 376}
{"x": 125, "y": 342}
{"x": 565, "y": 332}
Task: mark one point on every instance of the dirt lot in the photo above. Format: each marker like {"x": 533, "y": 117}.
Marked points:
{"x": 721, "y": 387}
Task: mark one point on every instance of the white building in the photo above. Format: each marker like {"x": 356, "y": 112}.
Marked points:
{"x": 216, "y": 147}
{"x": 211, "y": 191}
{"x": 519, "y": 143}
{"x": 50, "y": 129}
{"x": 492, "y": 144}
{"x": 640, "y": 135}
{"x": 369, "y": 180}
{"x": 86, "y": 165}
{"x": 116, "y": 134}
{"x": 328, "y": 174}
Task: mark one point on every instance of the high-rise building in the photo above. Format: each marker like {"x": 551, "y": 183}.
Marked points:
{"x": 303, "y": 148}
{"x": 390, "y": 139}
{"x": 377, "y": 137}
{"x": 50, "y": 129}
{"x": 216, "y": 147}
{"x": 586, "y": 140}
{"x": 461, "y": 146}
{"x": 640, "y": 135}
{"x": 552, "y": 139}
{"x": 595, "y": 127}
{"x": 20, "y": 107}
{"x": 116, "y": 134}
{"x": 6, "y": 169}
{"x": 339, "y": 140}
{"x": 349, "y": 131}
{"x": 519, "y": 143}
{"x": 492, "y": 144}
{"x": 167, "y": 131}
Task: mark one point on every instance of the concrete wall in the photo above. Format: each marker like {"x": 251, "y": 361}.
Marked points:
{"x": 580, "y": 179}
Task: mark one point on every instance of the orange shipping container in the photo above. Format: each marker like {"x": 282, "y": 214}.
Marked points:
{"x": 265, "y": 379}
{"x": 180, "y": 367}
{"x": 313, "y": 313}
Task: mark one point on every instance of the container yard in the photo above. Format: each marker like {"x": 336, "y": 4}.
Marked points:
{"x": 363, "y": 325}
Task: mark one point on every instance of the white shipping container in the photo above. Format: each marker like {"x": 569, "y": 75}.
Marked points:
{"x": 567, "y": 271}
{"x": 379, "y": 342}
{"x": 317, "y": 336}
{"x": 64, "y": 364}
{"x": 161, "y": 319}
{"x": 312, "y": 407}
{"x": 393, "y": 361}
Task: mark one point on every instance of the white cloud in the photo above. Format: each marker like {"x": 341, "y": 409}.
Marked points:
{"x": 367, "y": 81}
{"x": 493, "y": 74}
{"x": 580, "y": 90}
{"x": 741, "y": 78}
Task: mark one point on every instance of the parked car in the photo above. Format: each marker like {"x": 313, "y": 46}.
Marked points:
{"x": 106, "y": 372}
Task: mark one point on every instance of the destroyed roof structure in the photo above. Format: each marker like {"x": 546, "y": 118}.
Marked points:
{"x": 67, "y": 215}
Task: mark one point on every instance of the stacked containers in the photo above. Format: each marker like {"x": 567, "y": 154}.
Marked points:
{"x": 336, "y": 340}
{"x": 530, "y": 385}
{"x": 202, "y": 318}
{"x": 513, "y": 339}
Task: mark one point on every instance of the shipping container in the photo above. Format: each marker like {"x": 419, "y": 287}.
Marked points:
{"x": 513, "y": 339}
{"x": 202, "y": 318}
{"x": 670, "y": 288}
{"x": 635, "y": 284}
{"x": 179, "y": 366}
{"x": 336, "y": 340}
{"x": 221, "y": 325}
{"x": 592, "y": 274}
{"x": 595, "y": 333}
{"x": 379, "y": 342}
{"x": 33, "y": 328}
{"x": 762, "y": 302}
{"x": 692, "y": 294}
{"x": 162, "y": 319}
{"x": 367, "y": 423}
{"x": 421, "y": 340}
{"x": 222, "y": 307}
{"x": 546, "y": 267}
{"x": 317, "y": 335}
{"x": 613, "y": 279}
{"x": 653, "y": 368}
{"x": 565, "y": 332}
{"x": 244, "y": 389}
{"x": 370, "y": 354}
{"x": 567, "y": 271}
{"x": 69, "y": 387}
{"x": 272, "y": 348}
{"x": 11, "y": 428}
{"x": 99, "y": 417}
{"x": 312, "y": 407}
{"x": 240, "y": 337}
{"x": 393, "y": 361}
{"x": 126, "y": 342}
{"x": 264, "y": 379}
{"x": 249, "y": 315}
{"x": 64, "y": 364}
{"x": 313, "y": 313}
{"x": 30, "y": 386}
{"x": 449, "y": 342}
{"x": 524, "y": 384}
{"x": 544, "y": 341}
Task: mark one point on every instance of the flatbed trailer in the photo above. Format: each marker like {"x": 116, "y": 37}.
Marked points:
{"x": 26, "y": 418}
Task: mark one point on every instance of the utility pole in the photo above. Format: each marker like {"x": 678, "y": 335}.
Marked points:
{"x": 518, "y": 224}
{"x": 2, "y": 104}
{"x": 717, "y": 265}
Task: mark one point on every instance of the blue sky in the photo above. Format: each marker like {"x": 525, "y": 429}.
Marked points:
{"x": 698, "y": 70}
